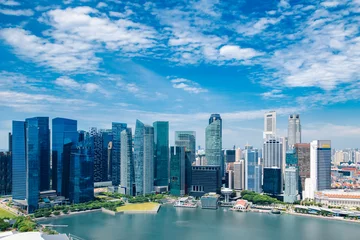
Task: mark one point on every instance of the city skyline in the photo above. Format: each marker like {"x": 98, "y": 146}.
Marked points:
{"x": 181, "y": 61}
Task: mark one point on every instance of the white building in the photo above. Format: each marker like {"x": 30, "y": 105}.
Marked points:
{"x": 337, "y": 197}
{"x": 320, "y": 168}
{"x": 269, "y": 125}
{"x": 294, "y": 129}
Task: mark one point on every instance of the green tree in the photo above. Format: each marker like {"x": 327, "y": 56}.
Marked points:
{"x": 4, "y": 225}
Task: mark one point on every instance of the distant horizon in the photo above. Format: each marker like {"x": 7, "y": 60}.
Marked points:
{"x": 116, "y": 61}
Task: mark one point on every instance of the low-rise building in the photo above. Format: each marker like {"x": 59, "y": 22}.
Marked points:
{"x": 210, "y": 201}
{"x": 338, "y": 198}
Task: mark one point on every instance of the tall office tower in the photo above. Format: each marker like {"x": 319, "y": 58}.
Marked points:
{"x": 18, "y": 160}
{"x": 269, "y": 125}
{"x": 231, "y": 179}
{"x": 127, "y": 162}
{"x": 144, "y": 158}
{"x": 303, "y": 158}
{"x": 205, "y": 179}
{"x": 213, "y": 142}
{"x": 161, "y": 145}
{"x": 320, "y": 168}
{"x": 98, "y": 151}
{"x": 186, "y": 139}
{"x": 5, "y": 173}
{"x": 117, "y": 128}
{"x": 106, "y": 139}
{"x": 238, "y": 155}
{"x": 38, "y": 149}
{"x": 64, "y": 131}
{"x": 239, "y": 175}
{"x": 10, "y": 142}
{"x": 177, "y": 171}
{"x": 285, "y": 147}
{"x": 294, "y": 130}
{"x": 273, "y": 165}
{"x": 81, "y": 184}
{"x": 253, "y": 171}
{"x": 291, "y": 184}
{"x": 229, "y": 155}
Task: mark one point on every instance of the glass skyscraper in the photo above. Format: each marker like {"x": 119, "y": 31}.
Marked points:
{"x": 63, "y": 131}
{"x": 253, "y": 171}
{"x": 18, "y": 160}
{"x": 117, "y": 128}
{"x": 303, "y": 157}
{"x": 144, "y": 158}
{"x": 186, "y": 139}
{"x": 291, "y": 158}
{"x": 5, "y": 173}
{"x": 161, "y": 168}
{"x": 177, "y": 171}
{"x": 82, "y": 172}
{"x": 213, "y": 142}
{"x": 127, "y": 162}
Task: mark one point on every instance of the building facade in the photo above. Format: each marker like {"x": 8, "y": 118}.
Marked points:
{"x": 117, "y": 128}
{"x": 303, "y": 158}
{"x": 291, "y": 184}
{"x": 272, "y": 183}
{"x": 144, "y": 158}
{"x": 253, "y": 170}
{"x": 239, "y": 175}
{"x": 177, "y": 171}
{"x": 213, "y": 142}
{"x": 5, "y": 173}
{"x": 161, "y": 159}
{"x": 205, "y": 179}
{"x": 127, "y": 162}
{"x": 18, "y": 160}
{"x": 294, "y": 130}
{"x": 186, "y": 139}
{"x": 62, "y": 130}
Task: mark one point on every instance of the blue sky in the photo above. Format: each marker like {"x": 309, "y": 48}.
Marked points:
{"x": 104, "y": 61}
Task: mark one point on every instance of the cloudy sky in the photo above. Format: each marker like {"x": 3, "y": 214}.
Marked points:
{"x": 104, "y": 61}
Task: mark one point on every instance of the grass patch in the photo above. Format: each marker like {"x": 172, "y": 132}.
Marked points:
{"x": 138, "y": 207}
{"x": 6, "y": 214}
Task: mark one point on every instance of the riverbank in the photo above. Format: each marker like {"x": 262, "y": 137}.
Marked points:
{"x": 323, "y": 217}
{"x": 69, "y": 214}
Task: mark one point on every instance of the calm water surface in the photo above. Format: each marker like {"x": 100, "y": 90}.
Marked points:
{"x": 179, "y": 223}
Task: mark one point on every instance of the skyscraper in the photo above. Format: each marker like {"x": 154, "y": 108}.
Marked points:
{"x": 63, "y": 130}
{"x": 294, "y": 130}
{"x": 177, "y": 171}
{"x": 239, "y": 175}
{"x": 186, "y": 139}
{"x": 238, "y": 154}
{"x": 10, "y": 142}
{"x": 18, "y": 160}
{"x": 253, "y": 171}
{"x": 117, "y": 128}
{"x": 273, "y": 165}
{"x": 213, "y": 142}
{"x": 291, "y": 184}
{"x": 81, "y": 186}
{"x": 127, "y": 162}
{"x": 269, "y": 125}
{"x": 161, "y": 145}
{"x": 5, "y": 173}
{"x": 320, "y": 168}
{"x": 144, "y": 158}
{"x": 303, "y": 158}
{"x": 107, "y": 138}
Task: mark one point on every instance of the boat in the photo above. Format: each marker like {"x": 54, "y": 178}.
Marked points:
{"x": 275, "y": 211}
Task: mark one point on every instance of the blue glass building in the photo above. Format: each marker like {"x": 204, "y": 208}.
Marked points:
{"x": 205, "y": 179}
{"x": 127, "y": 162}
{"x": 253, "y": 171}
{"x": 291, "y": 158}
{"x": 117, "y": 128}
{"x": 81, "y": 187}
{"x": 161, "y": 160}
{"x": 177, "y": 171}
{"x": 272, "y": 181}
{"x": 213, "y": 142}
{"x": 5, "y": 173}
{"x": 64, "y": 131}
{"x": 18, "y": 160}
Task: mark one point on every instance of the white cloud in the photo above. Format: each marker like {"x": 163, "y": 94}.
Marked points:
{"x": 283, "y": 4}
{"x": 23, "y": 12}
{"x": 101, "y": 5}
{"x": 187, "y": 85}
{"x": 65, "y": 56}
{"x": 273, "y": 94}
{"x": 256, "y": 27}
{"x": 71, "y": 84}
{"x": 9, "y": 3}
{"x": 331, "y": 4}
{"x": 235, "y": 52}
